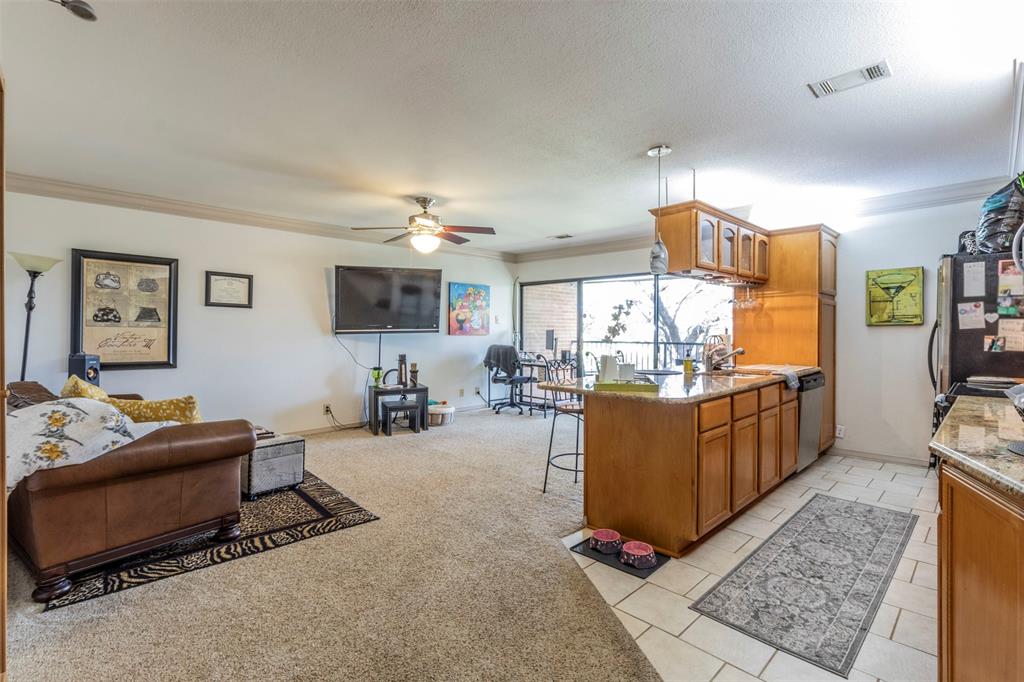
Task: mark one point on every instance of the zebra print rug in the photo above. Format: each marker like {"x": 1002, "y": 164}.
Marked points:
{"x": 268, "y": 522}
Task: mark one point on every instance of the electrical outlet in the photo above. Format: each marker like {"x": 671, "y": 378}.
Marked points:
{"x": 476, "y": 390}
{"x": 840, "y": 431}
{"x": 462, "y": 393}
{"x": 327, "y": 408}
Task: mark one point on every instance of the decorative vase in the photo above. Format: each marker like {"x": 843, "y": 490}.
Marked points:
{"x": 376, "y": 373}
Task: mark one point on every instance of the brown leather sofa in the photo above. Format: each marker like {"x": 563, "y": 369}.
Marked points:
{"x": 173, "y": 483}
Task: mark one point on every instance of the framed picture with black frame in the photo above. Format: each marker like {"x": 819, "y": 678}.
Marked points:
{"x": 228, "y": 290}
{"x": 124, "y": 308}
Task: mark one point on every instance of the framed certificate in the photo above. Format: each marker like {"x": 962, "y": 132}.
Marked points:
{"x": 124, "y": 309}
{"x": 228, "y": 290}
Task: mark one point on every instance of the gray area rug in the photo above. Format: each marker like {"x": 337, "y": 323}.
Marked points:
{"x": 813, "y": 588}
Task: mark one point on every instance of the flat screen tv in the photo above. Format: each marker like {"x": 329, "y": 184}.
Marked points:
{"x": 369, "y": 300}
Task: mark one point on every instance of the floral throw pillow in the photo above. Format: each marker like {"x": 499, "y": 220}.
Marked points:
{"x": 64, "y": 432}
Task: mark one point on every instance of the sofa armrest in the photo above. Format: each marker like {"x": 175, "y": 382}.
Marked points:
{"x": 126, "y": 396}
{"x": 167, "y": 448}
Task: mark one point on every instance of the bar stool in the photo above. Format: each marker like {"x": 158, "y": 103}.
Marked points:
{"x": 567, "y": 404}
{"x": 392, "y": 408}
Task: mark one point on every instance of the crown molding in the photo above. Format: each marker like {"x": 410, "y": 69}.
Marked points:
{"x": 592, "y": 249}
{"x": 58, "y": 189}
{"x": 930, "y": 197}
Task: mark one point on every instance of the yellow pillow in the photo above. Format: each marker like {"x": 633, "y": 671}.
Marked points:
{"x": 76, "y": 387}
{"x": 183, "y": 410}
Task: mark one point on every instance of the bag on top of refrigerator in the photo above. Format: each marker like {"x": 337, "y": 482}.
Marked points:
{"x": 1001, "y": 215}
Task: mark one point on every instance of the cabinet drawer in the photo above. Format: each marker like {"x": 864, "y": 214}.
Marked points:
{"x": 715, "y": 413}
{"x": 744, "y": 405}
{"x": 787, "y": 393}
{"x": 769, "y": 396}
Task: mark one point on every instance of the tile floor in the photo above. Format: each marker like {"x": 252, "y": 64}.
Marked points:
{"x": 686, "y": 646}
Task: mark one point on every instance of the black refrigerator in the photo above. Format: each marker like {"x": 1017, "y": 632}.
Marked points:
{"x": 979, "y": 321}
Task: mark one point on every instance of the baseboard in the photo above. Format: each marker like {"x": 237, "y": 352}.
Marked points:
{"x": 356, "y": 425}
{"x": 893, "y": 459}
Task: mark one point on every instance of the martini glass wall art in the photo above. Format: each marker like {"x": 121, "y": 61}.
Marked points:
{"x": 894, "y": 296}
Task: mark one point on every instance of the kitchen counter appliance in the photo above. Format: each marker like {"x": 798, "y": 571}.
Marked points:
{"x": 810, "y": 396}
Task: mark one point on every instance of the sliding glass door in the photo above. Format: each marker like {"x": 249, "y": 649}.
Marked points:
{"x": 649, "y": 321}
{"x": 618, "y": 319}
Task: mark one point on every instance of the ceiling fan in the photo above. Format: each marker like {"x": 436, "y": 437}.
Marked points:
{"x": 427, "y": 230}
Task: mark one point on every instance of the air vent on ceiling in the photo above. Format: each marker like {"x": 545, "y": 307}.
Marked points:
{"x": 851, "y": 79}
{"x": 560, "y": 236}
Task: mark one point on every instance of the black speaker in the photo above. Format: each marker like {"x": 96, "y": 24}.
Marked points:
{"x": 86, "y": 367}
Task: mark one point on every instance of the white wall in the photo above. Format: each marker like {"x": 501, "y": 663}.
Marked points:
{"x": 628, "y": 262}
{"x": 275, "y": 364}
{"x": 884, "y": 393}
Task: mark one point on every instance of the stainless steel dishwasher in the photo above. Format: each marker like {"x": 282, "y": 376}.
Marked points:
{"x": 810, "y": 396}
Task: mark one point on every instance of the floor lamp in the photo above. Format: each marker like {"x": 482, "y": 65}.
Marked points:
{"x": 35, "y": 266}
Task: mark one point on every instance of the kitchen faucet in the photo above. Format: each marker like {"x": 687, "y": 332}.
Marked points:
{"x": 716, "y": 356}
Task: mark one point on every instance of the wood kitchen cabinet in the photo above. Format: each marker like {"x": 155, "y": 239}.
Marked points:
{"x": 728, "y": 247}
{"x": 744, "y": 461}
{"x": 795, "y": 316}
{"x": 714, "y": 496}
{"x": 981, "y": 581}
{"x": 746, "y": 261}
{"x": 707, "y": 241}
{"x": 760, "y": 257}
{"x": 703, "y": 240}
{"x": 768, "y": 473}
{"x": 789, "y": 437}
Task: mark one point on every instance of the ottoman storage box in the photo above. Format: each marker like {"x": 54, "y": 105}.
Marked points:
{"x": 277, "y": 462}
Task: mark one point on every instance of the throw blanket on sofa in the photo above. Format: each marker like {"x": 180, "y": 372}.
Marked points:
{"x": 64, "y": 432}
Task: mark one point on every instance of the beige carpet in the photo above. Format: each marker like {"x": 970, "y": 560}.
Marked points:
{"x": 464, "y": 577}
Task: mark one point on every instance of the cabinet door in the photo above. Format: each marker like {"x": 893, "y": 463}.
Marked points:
{"x": 746, "y": 266}
{"x": 827, "y": 264}
{"x": 981, "y": 583}
{"x": 827, "y": 362}
{"x": 760, "y": 257}
{"x": 789, "y": 436}
{"x": 707, "y": 241}
{"x": 768, "y": 449}
{"x": 713, "y": 481}
{"x": 728, "y": 247}
{"x": 744, "y": 461}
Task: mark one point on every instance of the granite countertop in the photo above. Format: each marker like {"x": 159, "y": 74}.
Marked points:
{"x": 973, "y": 438}
{"x": 692, "y": 388}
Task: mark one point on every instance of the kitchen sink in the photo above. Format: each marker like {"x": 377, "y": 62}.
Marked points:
{"x": 735, "y": 374}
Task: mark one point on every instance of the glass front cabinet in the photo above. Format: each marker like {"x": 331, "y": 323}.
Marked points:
{"x": 760, "y": 257}
{"x": 746, "y": 267}
{"x": 707, "y": 241}
{"x": 728, "y": 251}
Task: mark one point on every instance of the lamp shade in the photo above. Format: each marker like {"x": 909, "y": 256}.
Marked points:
{"x": 425, "y": 243}
{"x": 34, "y": 263}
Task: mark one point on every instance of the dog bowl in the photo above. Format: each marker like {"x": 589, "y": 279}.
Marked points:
{"x": 606, "y": 541}
{"x": 638, "y": 555}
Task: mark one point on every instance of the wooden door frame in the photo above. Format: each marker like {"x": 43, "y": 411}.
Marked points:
{"x": 3, "y": 414}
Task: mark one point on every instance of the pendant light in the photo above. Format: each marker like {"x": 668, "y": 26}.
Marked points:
{"x": 659, "y": 254}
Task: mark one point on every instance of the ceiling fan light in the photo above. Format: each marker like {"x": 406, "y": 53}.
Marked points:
{"x": 425, "y": 243}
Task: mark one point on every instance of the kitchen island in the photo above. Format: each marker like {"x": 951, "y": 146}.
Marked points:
{"x": 669, "y": 468}
{"x": 981, "y": 541}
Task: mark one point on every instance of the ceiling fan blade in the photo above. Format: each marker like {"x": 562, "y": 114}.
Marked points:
{"x": 376, "y": 228}
{"x": 453, "y": 238}
{"x": 469, "y": 228}
{"x": 395, "y": 239}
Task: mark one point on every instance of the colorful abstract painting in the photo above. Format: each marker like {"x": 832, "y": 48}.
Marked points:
{"x": 894, "y": 296}
{"x": 469, "y": 309}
